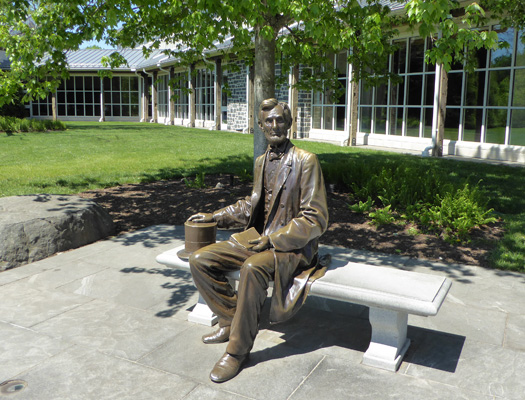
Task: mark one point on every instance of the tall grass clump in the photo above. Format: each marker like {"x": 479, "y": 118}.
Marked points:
{"x": 17, "y": 125}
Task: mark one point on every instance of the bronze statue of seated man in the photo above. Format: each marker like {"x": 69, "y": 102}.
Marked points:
{"x": 283, "y": 220}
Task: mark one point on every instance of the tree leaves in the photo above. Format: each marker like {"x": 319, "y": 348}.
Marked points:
{"x": 38, "y": 34}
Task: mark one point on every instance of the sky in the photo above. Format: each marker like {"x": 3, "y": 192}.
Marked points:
{"x": 93, "y": 43}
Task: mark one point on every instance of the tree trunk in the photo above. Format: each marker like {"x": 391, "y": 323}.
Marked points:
{"x": 54, "y": 106}
{"x": 264, "y": 85}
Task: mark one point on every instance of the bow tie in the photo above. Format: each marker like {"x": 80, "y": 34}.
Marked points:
{"x": 275, "y": 154}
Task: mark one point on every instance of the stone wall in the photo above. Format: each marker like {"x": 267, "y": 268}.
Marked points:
{"x": 237, "y": 100}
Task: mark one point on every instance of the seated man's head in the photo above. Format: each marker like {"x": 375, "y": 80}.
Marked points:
{"x": 275, "y": 119}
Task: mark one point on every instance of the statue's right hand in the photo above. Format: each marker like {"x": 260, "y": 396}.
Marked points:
{"x": 201, "y": 217}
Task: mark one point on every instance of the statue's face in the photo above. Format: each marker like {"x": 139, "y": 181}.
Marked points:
{"x": 274, "y": 126}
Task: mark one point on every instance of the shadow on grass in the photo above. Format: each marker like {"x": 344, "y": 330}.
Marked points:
{"x": 228, "y": 165}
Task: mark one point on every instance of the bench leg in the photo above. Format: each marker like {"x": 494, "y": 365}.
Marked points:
{"x": 201, "y": 314}
{"x": 389, "y": 341}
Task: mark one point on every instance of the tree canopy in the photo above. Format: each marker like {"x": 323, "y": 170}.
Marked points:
{"x": 38, "y": 34}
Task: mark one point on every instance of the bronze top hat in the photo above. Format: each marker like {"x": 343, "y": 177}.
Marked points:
{"x": 196, "y": 236}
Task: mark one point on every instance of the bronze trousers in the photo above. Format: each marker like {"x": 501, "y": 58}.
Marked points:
{"x": 239, "y": 310}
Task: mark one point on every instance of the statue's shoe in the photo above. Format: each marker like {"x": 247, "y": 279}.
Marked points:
{"x": 219, "y": 336}
{"x": 227, "y": 367}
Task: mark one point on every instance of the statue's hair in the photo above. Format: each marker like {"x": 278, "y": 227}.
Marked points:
{"x": 269, "y": 104}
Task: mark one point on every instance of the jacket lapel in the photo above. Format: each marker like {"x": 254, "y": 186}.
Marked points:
{"x": 258, "y": 181}
{"x": 284, "y": 171}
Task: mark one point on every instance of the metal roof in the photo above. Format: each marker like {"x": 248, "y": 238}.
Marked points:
{"x": 394, "y": 5}
{"x": 90, "y": 59}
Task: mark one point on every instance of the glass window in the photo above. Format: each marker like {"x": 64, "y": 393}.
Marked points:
{"x": 397, "y": 93}
{"x": 475, "y": 89}
{"x": 451, "y": 124}
{"x": 365, "y": 119}
{"x": 340, "y": 118}
{"x": 430, "y": 82}
{"x": 328, "y": 118}
{"x": 472, "y": 126}
{"x": 380, "y": 120}
{"x": 417, "y": 55}
{"x": 413, "y": 120}
{"x": 399, "y": 58}
{"x": 115, "y": 84}
{"x": 79, "y": 83}
{"x": 316, "y": 117}
{"x": 520, "y": 49}
{"x": 496, "y": 124}
{"x": 125, "y": 84}
{"x": 499, "y": 81}
{"x": 204, "y": 98}
{"x": 517, "y": 128}
{"x": 415, "y": 86}
{"x": 502, "y": 57}
{"x": 396, "y": 121}
{"x": 427, "y": 123}
{"x": 381, "y": 95}
{"x": 518, "y": 99}
{"x": 329, "y": 106}
{"x": 365, "y": 91}
{"x": 455, "y": 83}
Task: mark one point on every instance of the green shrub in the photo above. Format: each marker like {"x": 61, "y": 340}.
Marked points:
{"x": 12, "y": 124}
{"x": 198, "y": 183}
{"x": 418, "y": 190}
{"x": 456, "y": 213}
{"x": 362, "y": 207}
{"x": 382, "y": 216}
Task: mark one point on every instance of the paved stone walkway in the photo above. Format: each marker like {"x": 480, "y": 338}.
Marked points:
{"x": 105, "y": 321}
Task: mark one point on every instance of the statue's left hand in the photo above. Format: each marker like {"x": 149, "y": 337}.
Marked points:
{"x": 201, "y": 217}
{"x": 261, "y": 243}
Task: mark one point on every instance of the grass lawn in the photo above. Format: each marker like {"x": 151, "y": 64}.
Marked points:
{"x": 92, "y": 155}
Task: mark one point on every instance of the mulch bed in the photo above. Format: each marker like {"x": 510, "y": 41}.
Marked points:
{"x": 137, "y": 206}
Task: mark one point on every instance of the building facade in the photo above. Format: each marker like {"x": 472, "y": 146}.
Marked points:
{"x": 485, "y": 109}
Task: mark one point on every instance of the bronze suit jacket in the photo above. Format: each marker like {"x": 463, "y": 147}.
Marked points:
{"x": 300, "y": 218}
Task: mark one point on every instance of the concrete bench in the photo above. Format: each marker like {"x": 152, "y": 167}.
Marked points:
{"x": 390, "y": 294}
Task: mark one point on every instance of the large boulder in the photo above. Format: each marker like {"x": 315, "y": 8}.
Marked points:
{"x": 37, "y": 226}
